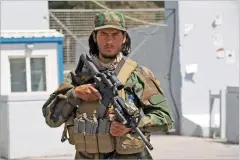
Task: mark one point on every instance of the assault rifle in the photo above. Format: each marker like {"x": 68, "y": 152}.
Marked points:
{"x": 108, "y": 84}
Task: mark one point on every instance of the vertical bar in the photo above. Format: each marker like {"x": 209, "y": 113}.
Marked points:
{"x": 222, "y": 117}
{"x": 210, "y": 117}
{"x": 28, "y": 74}
{"x": 48, "y": 73}
{"x": 60, "y": 62}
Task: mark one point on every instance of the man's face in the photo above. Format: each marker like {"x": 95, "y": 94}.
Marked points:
{"x": 109, "y": 42}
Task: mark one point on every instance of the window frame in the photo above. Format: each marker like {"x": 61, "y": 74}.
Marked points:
{"x": 16, "y": 57}
{"x": 47, "y": 50}
{"x": 28, "y": 72}
{"x": 45, "y": 71}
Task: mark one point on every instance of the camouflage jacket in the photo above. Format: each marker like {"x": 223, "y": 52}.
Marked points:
{"x": 141, "y": 83}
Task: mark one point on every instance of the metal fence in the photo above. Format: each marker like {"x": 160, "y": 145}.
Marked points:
{"x": 77, "y": 24}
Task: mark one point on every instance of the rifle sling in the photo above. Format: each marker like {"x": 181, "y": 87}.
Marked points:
{"x": 120, "y": 65}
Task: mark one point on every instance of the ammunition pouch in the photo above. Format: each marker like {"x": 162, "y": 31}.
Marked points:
{"x": 129, "y": 144}
{"x": 69, "y": 129}
{"x": 106, "y": 142}
{"x": 91, "y": 143}
{"x": 95, "y": 142}
{"x": 103, "y": 142}
{"x": 80, "y": 144}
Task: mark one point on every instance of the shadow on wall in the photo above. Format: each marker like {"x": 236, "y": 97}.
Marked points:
{"x": 214, "y": 131}
{"x": 189, "y": 77}
{"x": 4, "y": 129}
{"x": 156, "y": 47}
{"x": 190, "y": 128}
{"x": 173, "y": 76}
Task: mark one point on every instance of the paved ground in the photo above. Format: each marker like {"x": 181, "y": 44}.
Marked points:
{"x": 179, "y": 147}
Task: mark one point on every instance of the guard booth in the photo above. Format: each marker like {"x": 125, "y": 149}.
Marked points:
{"x": 31, "y": 68}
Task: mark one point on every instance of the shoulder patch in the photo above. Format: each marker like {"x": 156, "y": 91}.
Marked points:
{"x": 149, "y": 76}
{"x": 145, "y": 71}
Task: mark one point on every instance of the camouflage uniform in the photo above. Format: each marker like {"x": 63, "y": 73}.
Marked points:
{"x": 158, "y": 118}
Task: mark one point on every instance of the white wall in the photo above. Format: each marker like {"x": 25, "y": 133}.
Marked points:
{"x": 4, "y": 129}
{"x": 198, "y": 48}
{"x": 24, "y": 15}
{"x": 28, "y": 134}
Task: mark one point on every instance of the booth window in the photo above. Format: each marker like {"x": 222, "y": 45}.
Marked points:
{"x": 18, "y": 75}
{"x": 28, "y": 74}
{"x": 38, "y": 74}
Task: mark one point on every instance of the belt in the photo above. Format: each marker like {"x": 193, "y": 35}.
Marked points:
{"x": 112, "y": 155}
{"x": 109, "y": 155}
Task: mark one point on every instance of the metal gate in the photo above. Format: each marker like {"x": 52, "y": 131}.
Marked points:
{"x": 77, "y": 25}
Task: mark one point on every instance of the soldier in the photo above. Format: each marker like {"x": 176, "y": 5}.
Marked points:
{"x": 76, "y": 106}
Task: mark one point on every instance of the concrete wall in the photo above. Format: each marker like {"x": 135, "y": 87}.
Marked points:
{"x": 214, "y": 74}
{"x": 24, "y": 15}
{"x": 4, "y": 130}
{"x": 232, "y": 114}
{"x": 173, "y": 76}
{"x": 23, "y": 132}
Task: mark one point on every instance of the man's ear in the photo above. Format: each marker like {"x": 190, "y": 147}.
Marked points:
{"x": 124, "y": 37}
{"x": 94, "y": 37}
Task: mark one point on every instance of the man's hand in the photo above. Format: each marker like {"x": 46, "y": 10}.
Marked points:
{"x": 118, "y": 129}
{"x": 87, "y": 92}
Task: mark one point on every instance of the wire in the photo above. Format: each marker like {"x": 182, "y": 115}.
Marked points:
{"x": 67, "y": 30}
{"x": 128, "y": 17}
{"x": 170, "y": 72}
{"x": 143, "y": 42}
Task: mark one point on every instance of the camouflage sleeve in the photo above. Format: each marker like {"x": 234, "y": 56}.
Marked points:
{"x": 61, "y": 104}
{"x": 146, "y": 87}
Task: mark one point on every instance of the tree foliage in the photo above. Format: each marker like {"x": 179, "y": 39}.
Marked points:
{"x": 112, "y": 5}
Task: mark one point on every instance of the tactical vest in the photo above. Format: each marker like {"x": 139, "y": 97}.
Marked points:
{"x": 91, "y": 135}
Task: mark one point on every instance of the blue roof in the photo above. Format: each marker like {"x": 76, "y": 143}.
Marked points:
{"x": 30, "y": 36}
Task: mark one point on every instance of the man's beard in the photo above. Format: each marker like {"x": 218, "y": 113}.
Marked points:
{"x": 111, "y": 57}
